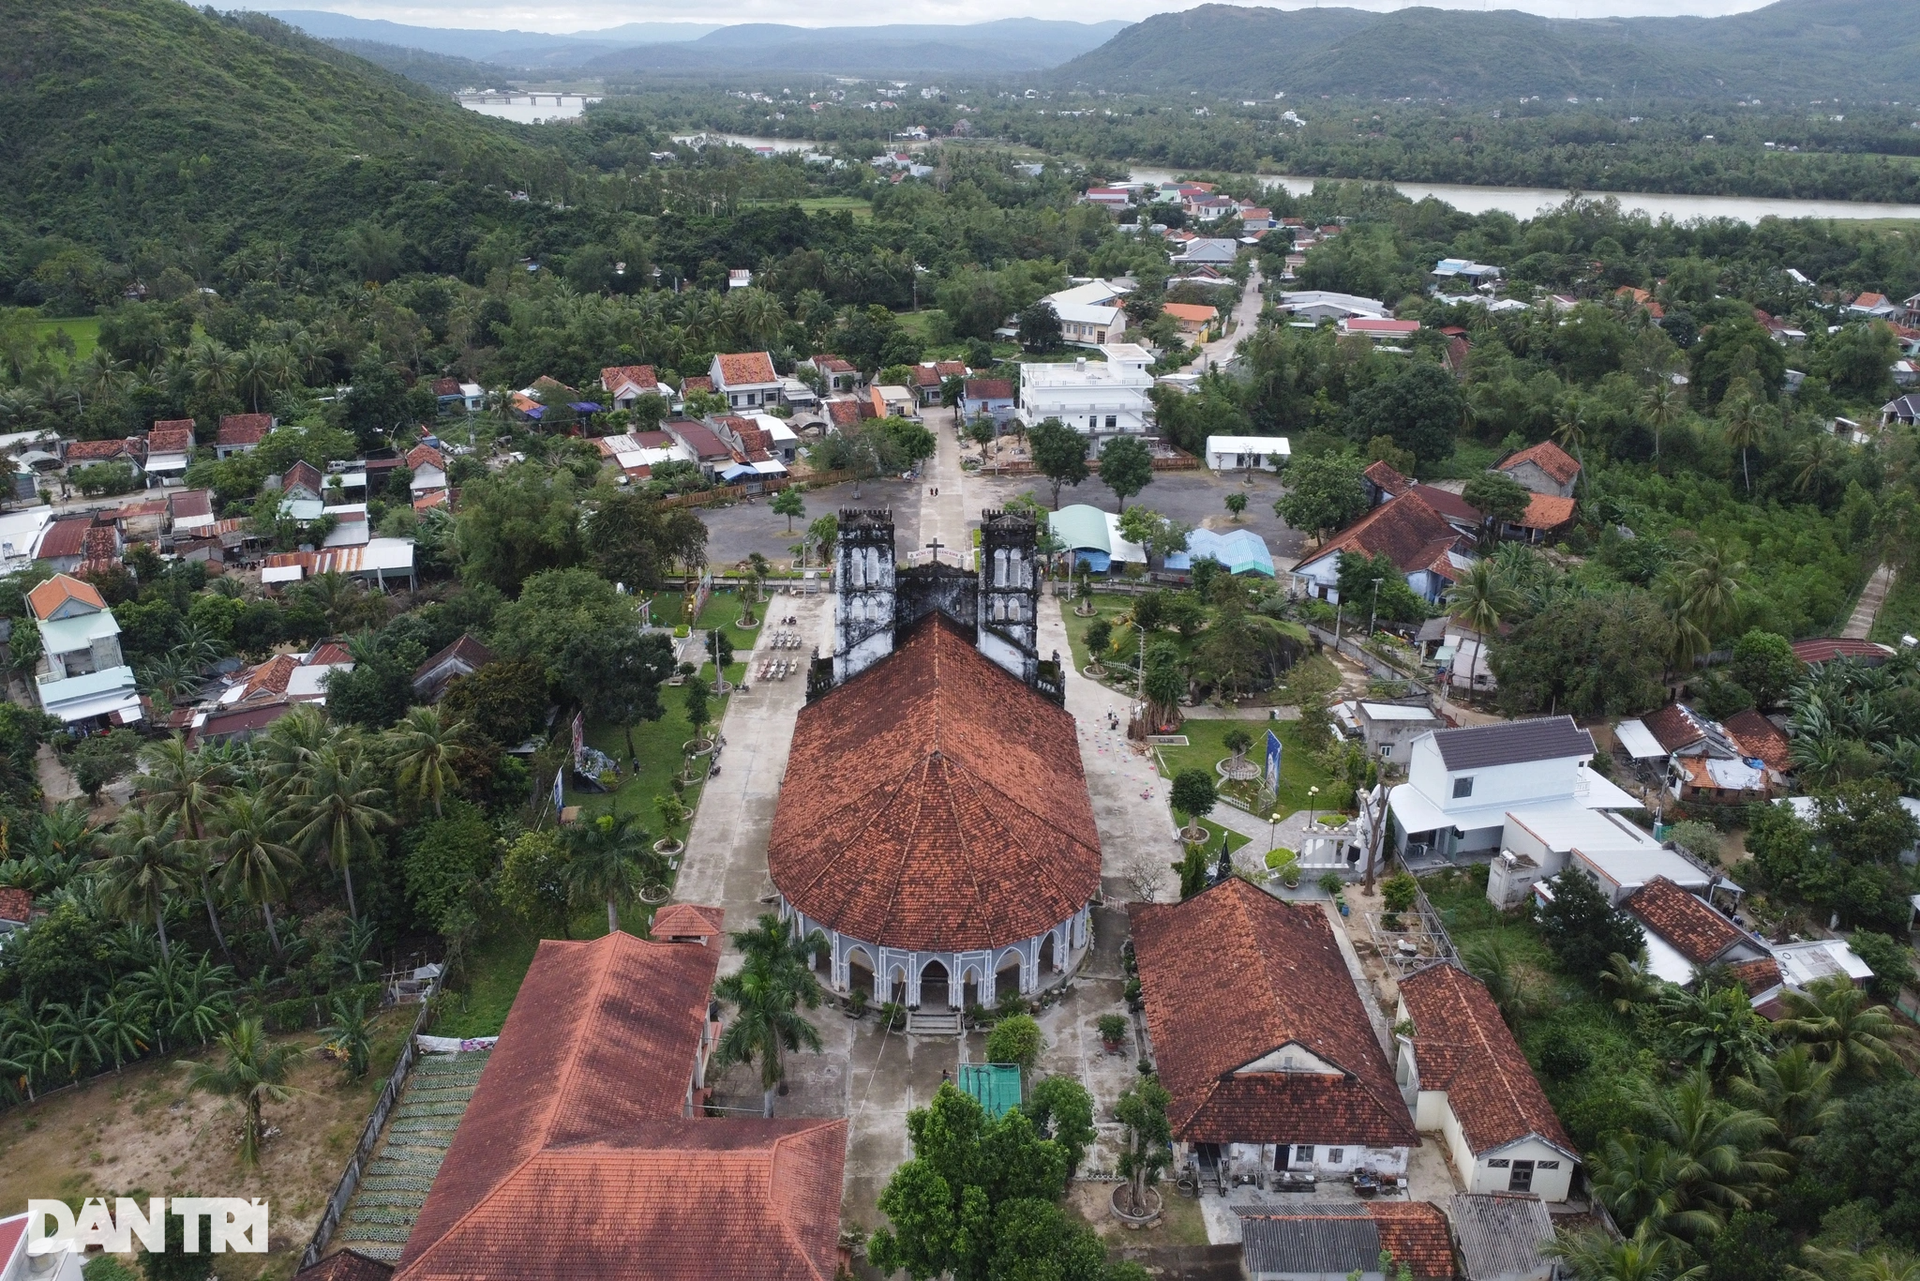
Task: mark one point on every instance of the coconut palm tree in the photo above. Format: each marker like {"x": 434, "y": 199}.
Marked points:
{"x": 421, "y": 749}
{"x": 1840, "y": 1025}
{"x": 1721, "y": 1150}
{"x": 120, "y": 1026}
{"x": 1593, "y": 1255}
{"x": 141, "y": 864}
{"x": 183, "y": 785}
{"x": 1570, "y": 431}
{"x": 611, "y": 859}
{"x": 1710, "y": 579}
{"x": 291, "y": 742}
{"x": 255, "y": 862}
{"x": 1715, "y": 1025}
{"x": 1494, "y": 964}
{"x": 350, "y": 1036}
{"x": 1795, "y": 1090}
{"x": 767, "y": 994}
{"x": 1741, "y": 418}
{"x": 212, "y": 367}
{"x": 1482, "y": 598}
{"x": 337, "y": 802}
{"x": 1661, "y": 405}
{"x": 251, "y": 1069}
{"x": 1629, "y": 984}
{"x": 1638, "y": 1180}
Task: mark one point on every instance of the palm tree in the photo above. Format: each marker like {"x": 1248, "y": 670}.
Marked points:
{"x": 611, "y": 859}
{"x": 185, "y": 1002}
{"x": 1710, "y": 580}
{"x": 250, "y": 1069}
{"x": 291, "y": 743}
{"x": 1660, "y": 405}
{"x": 1481, "y": 598}
{"x": 1629, "y": 984}
{"x": 421, "y": 751}
{"x": 1593, "y": 1255}
{"x": 1722, "y": 1163}
{"x": 1493, "y": 963}
{"x": 1715, "y": 1025}
{"x": 349, "y": 1037}
{"x": 213, "y": 369}
{"x": 1638, "y": 1180}
{"x": 183, "y": 785}
{"x": 338, "y": 802}
{"x": 1570, "y": 431}
{"x": 1795, "y": 1090}
{"x": 767, "y": 994}
{"x": 254, "y": 861}
{"x": 120, "y": 1026}
{"x": 141, "y": 864}
{"x": 1838, "y": 1023}
{"x": 1740, "y": 421}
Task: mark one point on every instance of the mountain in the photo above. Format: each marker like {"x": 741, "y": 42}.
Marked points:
{"x": 147, "y": 120}
{"x": 1792, "y": 49}
{"x": 515, "y": 48}
{"x": 435, "y": 70}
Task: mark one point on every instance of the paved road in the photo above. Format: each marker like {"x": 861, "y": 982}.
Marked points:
{"x": 1246, "y": 314}
{"x": 1867, "y": 608}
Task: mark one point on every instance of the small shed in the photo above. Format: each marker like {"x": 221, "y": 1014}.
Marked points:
{"x": 1500, "y": 1236}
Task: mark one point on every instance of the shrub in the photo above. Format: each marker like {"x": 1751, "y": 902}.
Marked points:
{"x": 1399, "y": 892}
{"x": 1111, "y": 1027}
{"x": 1015, "y": 1039}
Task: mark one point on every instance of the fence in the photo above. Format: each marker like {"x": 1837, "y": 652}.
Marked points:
{"x": 350, "y": 1177}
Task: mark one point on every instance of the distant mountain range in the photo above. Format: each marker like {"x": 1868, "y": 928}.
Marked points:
{"x": 1796, "y": 49}
{"x": 1010, "y": 45}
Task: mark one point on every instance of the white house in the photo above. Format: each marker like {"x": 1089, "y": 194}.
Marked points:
{"x": 1465, "y": 1078}
{"x": 429, "y": 469}
{"x": 1092, "y": 313}
{"x": 1387, "y": 729}
{"x": 1095, "y": 398}
{"x": 81, "y": 677}
{"x": 1237, "y": 453}
{"x": 1322, "y": 304}
{"x": 1462, "y": 783}
{"x": 746, "y": 379}
{"x": 1427, "y": 549}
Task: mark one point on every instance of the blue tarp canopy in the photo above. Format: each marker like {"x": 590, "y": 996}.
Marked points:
{"x": 738, "y": 470}
{"x": 1098, "y": 562}
{"x": 1241, "y": 551}
{"x": 583, "y": 407}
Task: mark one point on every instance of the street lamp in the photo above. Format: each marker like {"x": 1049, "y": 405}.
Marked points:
{"x": 1311, "y": 793}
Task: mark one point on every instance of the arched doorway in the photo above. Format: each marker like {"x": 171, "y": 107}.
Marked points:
{"x": 934, "y": 982}
{"x": 970, "y": 987}
{"x": 859, "y": 973}
{"x": 1006, "y": 979}
{"x": 1049, "y": 956}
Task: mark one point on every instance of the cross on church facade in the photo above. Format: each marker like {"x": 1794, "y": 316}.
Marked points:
{"x": 935, "y": 547}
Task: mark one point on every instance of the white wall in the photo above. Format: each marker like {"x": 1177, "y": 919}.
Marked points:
{"x": 1528, "y": 783}
{"x": 1549, "y": 1185}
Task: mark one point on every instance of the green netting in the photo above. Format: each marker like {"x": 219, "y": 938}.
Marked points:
{"x": 995, "y": 1085}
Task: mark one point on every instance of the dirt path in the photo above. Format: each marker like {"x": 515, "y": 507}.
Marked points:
{"x": 1867, "y": 608}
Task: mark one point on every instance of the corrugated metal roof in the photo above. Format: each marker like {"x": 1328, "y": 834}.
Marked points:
{"x": 1547, "y": 738}
{"x": 1499, "y": 1234}
{"x": 1308, "y": 1242}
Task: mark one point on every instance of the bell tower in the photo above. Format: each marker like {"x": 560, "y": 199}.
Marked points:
{"x": 864, "y": 580}
{"x": 1008, "y": 627}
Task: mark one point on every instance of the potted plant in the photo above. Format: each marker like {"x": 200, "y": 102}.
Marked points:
{"x": 1112, "y": 1028}
{"x": 1285, "y": 866}
{"x": 893, "y": 1016}
{"x": 857, "y": 1002}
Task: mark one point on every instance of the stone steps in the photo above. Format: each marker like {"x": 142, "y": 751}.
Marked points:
{"x": 935, "y": 1024}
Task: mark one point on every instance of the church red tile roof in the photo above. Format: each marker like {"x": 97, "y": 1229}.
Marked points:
{"x": 1549, "y": 458}
{"x": 679, "y": 921}
{"x": 740, "y": 368}
{"x": 1695, "y": 930}
{"x": 1229, "y": 977}
{"x": 575, "y": 1157}
{"x": 935, "y": 802}
{"x": 1462, "y": 1046}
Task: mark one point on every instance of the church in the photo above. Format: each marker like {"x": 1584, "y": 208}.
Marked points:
{"x": 934, "y": 821}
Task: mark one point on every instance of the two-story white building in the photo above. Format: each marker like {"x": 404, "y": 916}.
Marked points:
{"x": 746, "y": 379}
{"x": 1463, "y": 783}
{"x": 1096, "y": 398}
{"x": 81, "y": 678}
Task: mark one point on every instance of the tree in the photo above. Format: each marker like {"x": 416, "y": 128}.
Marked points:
{"x": 1059, "y": 453}
{"x": 609, "y": 860}
{"x": 1721, "y": 1159}
{"x": 1038, "y": 327}
{"x": 1236, "y": 505}
{"x": 1765, "y": 665}
{"x": 1582, "y": 928}
{"x": 421, "y": 751}
{"x": 1016, "y": 1039}
{"x": 1838, "y": 1022}
{"x": 1716, "y": 1026}
{"x": 554, "y": 611}
{"x": 767, "y": 994}
{"x": 617, "y": 675}
{"x": 1490, "y": 960}
{"x": 254, "y": 860}
{"x": 250, "y": 1069}
{"x": 141, "y": 865}
{"x": 1871, "y": 1152}
{"x": 187, "y": 786}
{"x": 1419, "y": 407}
{"x": 349, "y": 1036}
{"x": 1587, "y": 655}
{"x": 533, "y": 881}
{"x": 1147, "y": 1137}
{"x": 449, "y": 856}
{"x": 1594, "y": 1255}
{"x": 337, "y": 802}
{"x": 695, "y": 705}
{"x": 790, "y": 504}
{"x": 1193, "y": 794}
{"x": 1126, "y": 467}
{"x": 1062, "y": 1110}
{"x": 1499, "y": 498}
{"x": 1741, "y": 419}
{"x": 1324, "y": 493}
{"x": 1481, "y": 598}
{"x": 1890, "y": 960}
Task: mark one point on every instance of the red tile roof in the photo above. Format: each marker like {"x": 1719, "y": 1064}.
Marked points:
{"x": 676, "y": 922}
{"x": 1827, "y": 648}
{"x": 171, "y": 437}
{"x": 99, "y": 451}
{"x": 989, "y": 389}
{"x": 1756, "y": 976}
{"x": 1414, "y": 1232}
{"x": 640, "y": 377}
{"x": 348, "y": 1265}
{"x": 15, "y": 904}
{"x": 1695, "y": 930}
{"x": 1760, "y": 738}
{"x": 466, "y": 651}
{"x": 925, "y": 375}
{"x": 950, "y": 368}
{"x": 329, "y": 653}
{"x": 1234, "y": 974}
{"x": 934, "y": 802}
{"x": 1549, "y": 458}
{"x": 190, "y": 502}
{"x": 1675, "y": 726}
{"x": 1462, "y": 1046}
{"x": 65, "y": 538}
{"x": 446, "y": 387}
{"x": 1406, "y": 531}
{"x": 1383, "y": 475}
{"x": 833, "y": 365}
{"x": 303, "y": 473}
{"x": 58, "y": 590}
{"x": 1546, "y": 511}
{"x": 102, "y": 543}
{"x": 1450, "y": 504}
{"x": 425, "y": 456}
{"x": 575, "y": 1157}
{"x": 245, "y": 429}
{"x": 695, "y": 382}
{"x": 847, "y": 413}
{"x": 740, "y": 368}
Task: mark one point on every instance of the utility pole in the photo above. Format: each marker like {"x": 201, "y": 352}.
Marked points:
{"x": 1375, "y": 615}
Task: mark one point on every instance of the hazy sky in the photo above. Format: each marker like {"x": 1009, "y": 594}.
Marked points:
{"x": 575, "y": 15}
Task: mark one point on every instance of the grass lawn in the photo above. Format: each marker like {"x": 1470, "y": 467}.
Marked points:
{"x": 1900, "y": 612}
{"x": 1298, "y": 768}
{"x": 84, "y": 330}
{"x": 816, "y": 204}
{"x": 1214, "y": 832}
{"x": 918, "y": 324}
{"x": 1107, "y": 605}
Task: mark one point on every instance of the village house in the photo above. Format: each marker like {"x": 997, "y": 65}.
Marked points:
{"x": 1345, "y": 1240}
{"x": 624, "y": 384}
{"x": 429, "y": 468}
{"x": 81, "y": 677}
{"x": 1213, "y": 252}
{"x": 1097, "y": 398}
{"x": 746, "y": 379}
{"x": 242, "y": 433}
{"x": 699, "y": 441}
{"x": 64, "y": 544}
{"x": 169, "y": 449}
{"x": 930, "y": 376}
{"x": 1873, "y": 306}
{"x": 455, "y": 397}
{"x": 255, "y": 697}
{"x": 1544, "y": 468}
{"x": 1386, "y": 730}
{"x": 1192, "y": 318}
{"x": 1277, "y": 1070}
{"x": 462, "y": 658}
{"x": 1685, "y": 933}
{"x": 1317, "y": 305}
{"x": 1247, "y": 453}
{"x": 1382, "y": 483}
{"x": 836, "y": 374}
{"x": 1502, "y": 1236}
{"x": 992, "y": 398}
{"x": 1821, "y": 650}
{"x": 1378, "y": 329}
{"x": 1702, "y": 759}
{"x": 1091, "y": 313}
{"x": 1420, "y": 541}
{"x": 130, "y": 452}
{"x": 1476, "y": 274}
{"x": 893, "y": 402}
{"x": 1465, "y": 1078}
